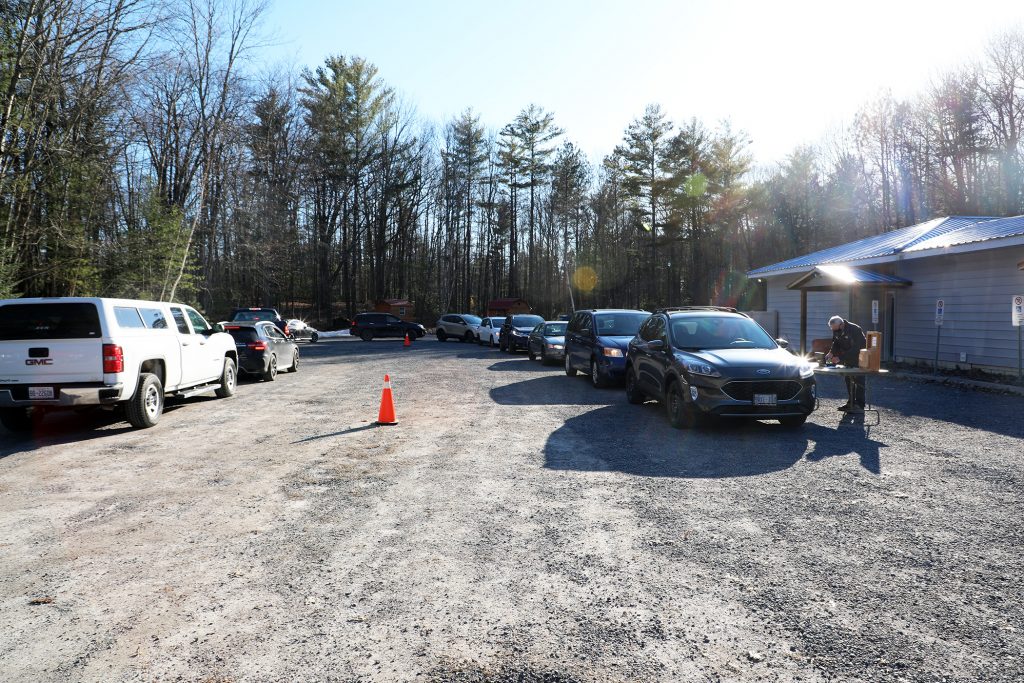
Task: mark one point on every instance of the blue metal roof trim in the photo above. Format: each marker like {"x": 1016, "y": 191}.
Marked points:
{"x": 945, "y": 231}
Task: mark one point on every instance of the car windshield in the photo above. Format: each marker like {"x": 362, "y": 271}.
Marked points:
{"x": 555, "y": 329}
{"x": 252, "y": 316}
{"x": 471, "y": 319}
{"x": 719, "y": 332}
{"x": 526, "y": 320}
{"x": 619, "y": 324}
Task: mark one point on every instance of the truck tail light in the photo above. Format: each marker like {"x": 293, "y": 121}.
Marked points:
{"x": 113, "y": 358}
{"x": 257, "y": 346}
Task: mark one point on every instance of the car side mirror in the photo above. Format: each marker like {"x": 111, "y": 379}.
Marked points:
{"x": 784, "y": 343}
{"x": 656, "y": 345}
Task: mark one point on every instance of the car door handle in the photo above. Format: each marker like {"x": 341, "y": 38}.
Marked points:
{"x": 186, "y": 343}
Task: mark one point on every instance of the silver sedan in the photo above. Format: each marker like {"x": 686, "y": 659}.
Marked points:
{"x": 547, "y": 341}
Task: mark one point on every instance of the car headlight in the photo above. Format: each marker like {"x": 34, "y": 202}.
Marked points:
{"x": 806, "y": 371}
{"x": 557, "y": 347}
{"x": 613, "y": 353}
{"x": 697, "y": 367}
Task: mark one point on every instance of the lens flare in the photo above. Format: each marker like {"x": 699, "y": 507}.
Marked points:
{"x": 584, "y": 279}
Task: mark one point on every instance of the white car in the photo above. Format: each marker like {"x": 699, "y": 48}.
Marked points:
{"x": 488, "y": 330}
{"x": 459, "y": 326}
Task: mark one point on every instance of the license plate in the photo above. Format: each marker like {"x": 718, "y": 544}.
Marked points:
{"x": 765, "y": 399}
{"x": 40, "y": 393}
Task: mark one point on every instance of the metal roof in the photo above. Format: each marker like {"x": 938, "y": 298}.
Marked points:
{"x": 939, "y": 232}
{"x": 828, "y": 277}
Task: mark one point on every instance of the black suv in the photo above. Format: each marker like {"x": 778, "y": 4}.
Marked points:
{"x": 515, "y": 331}
{"x": 366, "y": 326}
{"x": 256, "y": 314}
{"x": 263, "y": 349}
{"x": 709, "y": 361}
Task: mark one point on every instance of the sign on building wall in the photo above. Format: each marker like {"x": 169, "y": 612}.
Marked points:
{"x": 940, "y": 311}
{"x": 874, "y": 311}
{"x": 1018, "y": 310}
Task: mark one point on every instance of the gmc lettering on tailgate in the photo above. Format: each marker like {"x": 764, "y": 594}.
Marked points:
{"x": 38, "y": 361}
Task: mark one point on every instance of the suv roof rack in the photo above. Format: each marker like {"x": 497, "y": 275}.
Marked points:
{"x": 679, "y": 309}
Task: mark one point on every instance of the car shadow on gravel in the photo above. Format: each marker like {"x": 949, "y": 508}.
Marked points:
{"x": 64, "y": 427}
{"x": 638, "y": 440}
{"x": 552, "y": 390}
{"x": 523, "y": 364}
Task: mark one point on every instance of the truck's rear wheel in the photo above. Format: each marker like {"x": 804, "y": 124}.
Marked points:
{"x": 228, "y": 380}
{"x": 146, "y": 406}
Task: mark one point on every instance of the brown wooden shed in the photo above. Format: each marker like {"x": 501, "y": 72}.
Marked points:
{"x": 507, "y": 306}
{"x": 401, "y": 308}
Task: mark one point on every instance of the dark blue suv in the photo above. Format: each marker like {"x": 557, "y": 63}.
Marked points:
{"x": 596, "y": 342}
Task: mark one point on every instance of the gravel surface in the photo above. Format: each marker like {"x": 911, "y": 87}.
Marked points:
{"x": 516, "y": 525}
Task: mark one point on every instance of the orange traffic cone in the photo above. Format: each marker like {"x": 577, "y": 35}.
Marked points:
{"x": 387, "y": 405}
{"x": 407, "y": 342}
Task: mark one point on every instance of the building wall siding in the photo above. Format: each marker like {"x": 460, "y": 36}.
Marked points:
{"x": 977, "y": 289}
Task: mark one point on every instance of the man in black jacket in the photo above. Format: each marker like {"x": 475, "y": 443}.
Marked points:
{"x": 847, "y": 341}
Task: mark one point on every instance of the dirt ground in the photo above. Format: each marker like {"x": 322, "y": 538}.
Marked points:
{"x": 517, "y": 525}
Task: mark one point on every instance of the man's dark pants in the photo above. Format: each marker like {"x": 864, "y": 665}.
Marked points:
{"x": 854, "y": 383}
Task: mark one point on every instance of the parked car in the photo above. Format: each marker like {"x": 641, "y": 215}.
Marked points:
{"x": 703, "y": 362}
{"x": 71, "y": 352}
{"x": 301, "y": 331}
{"x": 367, "y": 326}
{"x": 459, "y": 326}
{"x": 596, "y": 342}
{"x": 263, "y": 349}
{"x": 515, "y": 330}
{"x": 547, "y": 341}
{"x": 489, "y": 330}
{"x": 251, "y": 315}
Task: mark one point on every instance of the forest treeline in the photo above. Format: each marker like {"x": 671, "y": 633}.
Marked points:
{"x": 143, "y": 154}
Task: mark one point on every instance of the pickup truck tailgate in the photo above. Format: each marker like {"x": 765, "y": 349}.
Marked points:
{"x": 50, "y": 343}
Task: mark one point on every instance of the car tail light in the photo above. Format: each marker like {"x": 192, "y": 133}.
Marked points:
{"x": 113, "y": 358}
{"x": 257, "y": 346}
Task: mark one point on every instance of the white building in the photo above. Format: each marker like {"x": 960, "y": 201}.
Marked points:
{"x": 974, "y": 265}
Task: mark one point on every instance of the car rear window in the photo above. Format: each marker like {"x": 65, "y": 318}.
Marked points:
{"x": 471, "y": 319}
{"x": 526, "y": 320}
{"x": 242, "y": 334}
{"x": 253, "y": 316}
{"x": 555, "y": 330}
{"x": 49, "y": 321}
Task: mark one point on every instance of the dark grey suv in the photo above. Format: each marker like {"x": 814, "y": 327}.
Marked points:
{"x": 706, "y": 361}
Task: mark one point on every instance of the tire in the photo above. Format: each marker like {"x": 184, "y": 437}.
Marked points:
{"x": 570, "y": 371}
{"x": 441, "y": 335}
{"x": 17, "y": 420}
{"x": 793, "y": 422}
{"x": 596, "y": 379}
{"x": 680, "y": 415}
{"x": 633, "y": 393}
{"x": 366, "y": 335}
{"x": 295, "y": 362}
{"x": 468, "y": 337}
{"x": 490, "y": 342}
{"x": 530, "y": 353}
{"x": 147, "y": 405}
{"x": 314, "y": 338}
{"x": 228, "y": 380}
{"x": 270, "y": 374}
{"x": 544, "y": 357}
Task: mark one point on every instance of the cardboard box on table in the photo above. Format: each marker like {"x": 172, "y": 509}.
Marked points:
{"x": 870, "y": 358}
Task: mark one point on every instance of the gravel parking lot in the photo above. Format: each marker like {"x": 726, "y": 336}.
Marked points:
{"x": 517, "y": 525}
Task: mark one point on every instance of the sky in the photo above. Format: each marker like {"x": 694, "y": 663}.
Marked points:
{"x": 785, "y": 73}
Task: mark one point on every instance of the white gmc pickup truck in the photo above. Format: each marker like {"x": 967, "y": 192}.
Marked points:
{"x": 71, "y": 352}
